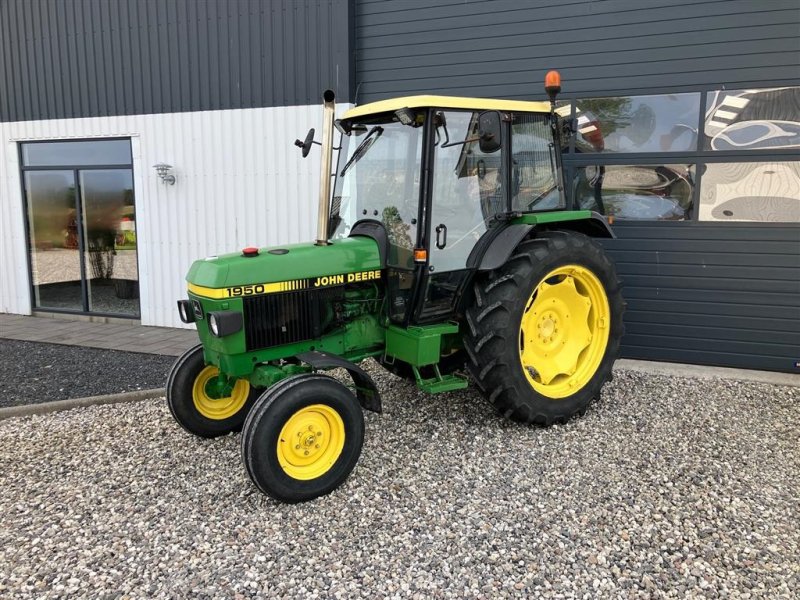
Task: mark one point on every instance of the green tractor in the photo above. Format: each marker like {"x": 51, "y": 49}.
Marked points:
{"x": 446, "y": 248}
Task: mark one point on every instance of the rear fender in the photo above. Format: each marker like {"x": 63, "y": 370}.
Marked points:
{"x": 501, "y": 245}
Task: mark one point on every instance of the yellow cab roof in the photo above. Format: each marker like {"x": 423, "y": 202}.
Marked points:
{"x": 393, "y": 104}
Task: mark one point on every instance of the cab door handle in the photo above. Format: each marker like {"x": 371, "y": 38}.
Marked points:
{"x": 441, "y": 236}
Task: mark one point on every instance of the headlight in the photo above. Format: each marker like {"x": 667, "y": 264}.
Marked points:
{"x": 185, "y": 311}
{"x": 225, "y": 322}
{"x": 213, "y": 325}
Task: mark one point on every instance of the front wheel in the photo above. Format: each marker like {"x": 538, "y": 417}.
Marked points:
{"x": 545, "y": 329}
{"x": 302, "y": 438}
{"x": 203, "y": 402}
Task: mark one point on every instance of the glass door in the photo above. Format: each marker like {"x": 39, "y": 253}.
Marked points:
{"x": 81, "y": 226}
{"x": 109, "y": 233}
{"x": 55, "y": 245}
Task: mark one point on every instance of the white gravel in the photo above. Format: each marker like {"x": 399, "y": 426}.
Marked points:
{"x": 666, "y": 488}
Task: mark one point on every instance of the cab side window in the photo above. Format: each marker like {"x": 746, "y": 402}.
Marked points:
{"x": 533, "y": 176}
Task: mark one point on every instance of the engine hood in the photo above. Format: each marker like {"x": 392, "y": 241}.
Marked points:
{"x": 287, "y": 265}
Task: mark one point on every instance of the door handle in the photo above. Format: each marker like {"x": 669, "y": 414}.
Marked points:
{"x": 441, "y": 236}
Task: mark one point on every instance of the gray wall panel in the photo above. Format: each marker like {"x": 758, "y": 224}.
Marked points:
{"x": 80, "y": 58}
{"x": 504, "y": 47}
{"x": 724, "y": 294}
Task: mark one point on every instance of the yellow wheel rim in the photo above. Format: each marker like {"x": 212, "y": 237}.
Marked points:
{"x": 564, "y": 331}
{"x": 218, "y": 402}
{"x": 310, "y": 442}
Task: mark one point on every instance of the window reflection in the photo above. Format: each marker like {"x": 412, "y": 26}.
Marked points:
{"x": 665, "y": 123}
{"x": 753, "y": 119}
{"x": 662, "y": 192}
{"x": 761, "y": 192}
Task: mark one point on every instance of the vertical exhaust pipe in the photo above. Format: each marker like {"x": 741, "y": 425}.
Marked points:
{"x": 328, "y": 110}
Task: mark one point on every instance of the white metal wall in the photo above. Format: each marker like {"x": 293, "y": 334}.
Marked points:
{"x": 240, "y": 182}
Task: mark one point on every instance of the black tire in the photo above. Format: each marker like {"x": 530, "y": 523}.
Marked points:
{"x": 497, "y": 332}
{"x": 288, "y": 402}
{"x": 181, "y": 399}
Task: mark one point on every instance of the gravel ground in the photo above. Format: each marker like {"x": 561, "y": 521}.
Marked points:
{"x": 666, "y": 488}
{"x": 34, "y": 372}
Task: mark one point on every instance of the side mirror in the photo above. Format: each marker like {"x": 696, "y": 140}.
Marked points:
{"x": 306, "y": 145}
{"x": 489, "y": 132}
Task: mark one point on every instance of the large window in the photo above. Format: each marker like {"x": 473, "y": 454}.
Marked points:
{"x": 658, "y": 157}
{"x": 753, "y": 119}
{"x": 81, "y": 226}
{"x": 640, "y": 192}
{"x": 751, "y": 191}
{"x": 665, "y": 123}
{"x": 378, "y": 178}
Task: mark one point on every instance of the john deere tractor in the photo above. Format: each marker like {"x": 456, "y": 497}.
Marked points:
{"x": 446, "y": 252}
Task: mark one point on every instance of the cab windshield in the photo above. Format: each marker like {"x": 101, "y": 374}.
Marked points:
{"x": 378, "y": 178}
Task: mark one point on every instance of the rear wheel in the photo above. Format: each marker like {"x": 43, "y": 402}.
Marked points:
{"x": 545, "y": 329}
{"x": 203, "y": 402}
{"x": 302, "y": 438}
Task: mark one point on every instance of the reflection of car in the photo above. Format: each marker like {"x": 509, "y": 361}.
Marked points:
{"x": 637, "y": 192}
{"x": 125, "y": 237}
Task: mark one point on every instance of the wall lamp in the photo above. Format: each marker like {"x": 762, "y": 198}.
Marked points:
{"x": 164, "y": 172}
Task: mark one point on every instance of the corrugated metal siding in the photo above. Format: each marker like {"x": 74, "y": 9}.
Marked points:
{"x": 240, "y": 182}
{"x": 503, "y": 48}
{"x": 711, "y": 293}
{"x": 84, "y": 58}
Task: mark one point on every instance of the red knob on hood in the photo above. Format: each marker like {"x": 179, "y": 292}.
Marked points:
{"x": 250, "y": 251}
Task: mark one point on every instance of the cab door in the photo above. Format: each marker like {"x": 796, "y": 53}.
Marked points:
{"x": 467, "y": 189}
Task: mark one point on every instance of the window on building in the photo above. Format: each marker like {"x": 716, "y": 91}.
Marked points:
{"x": 81, "y": 226}
{"x": 661, "y": 193}
{"x": 763, "y": 120}
{"x": 751, "y": 191}
{"x": 663, "y": 123}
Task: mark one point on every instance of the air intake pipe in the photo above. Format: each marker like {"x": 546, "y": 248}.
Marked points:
{"x": 328, "y": 110}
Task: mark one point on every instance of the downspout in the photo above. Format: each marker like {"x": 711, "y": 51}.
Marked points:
{"x": 328, "y": 110}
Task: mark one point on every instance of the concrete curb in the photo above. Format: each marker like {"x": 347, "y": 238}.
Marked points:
{"x": 704, "y": 372}
{"x": 59, "y": 405}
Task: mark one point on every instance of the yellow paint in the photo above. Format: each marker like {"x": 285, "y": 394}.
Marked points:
{"x": 311, "y": 442}
{"x": 218, "y": 409}
{"x": 393, "y": 104}
{"x": 564, "y": 331}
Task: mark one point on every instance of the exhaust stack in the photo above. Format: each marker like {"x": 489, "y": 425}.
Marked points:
{"x": 328, "y": 109}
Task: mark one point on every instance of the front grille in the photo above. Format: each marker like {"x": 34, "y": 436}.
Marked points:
{"x": 288, "y": 317}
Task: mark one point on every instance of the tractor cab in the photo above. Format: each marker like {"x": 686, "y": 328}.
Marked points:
{"x": 441, "y": 176}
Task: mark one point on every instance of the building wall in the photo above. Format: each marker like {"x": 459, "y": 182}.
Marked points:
{"x": 503, "y": 48}
{"x": 240, "y": 182}
{"x": 710, "y": 294}
{"x": 86, "y": 58}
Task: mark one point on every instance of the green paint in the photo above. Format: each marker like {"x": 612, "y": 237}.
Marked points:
{"x": 360, "y": 338}
{"x": 442, "y": 383}
{"x": 300, "y": 262}
{"x": 233, "y": 343}
{"x": 265, "y": 376}
{"x": 418, "y": 346}
{"x": 552, "y": 217}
